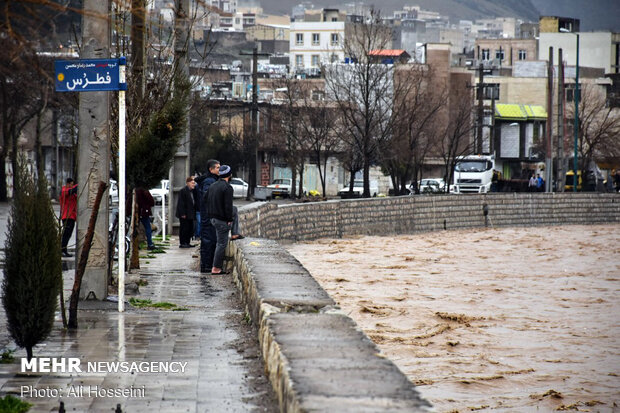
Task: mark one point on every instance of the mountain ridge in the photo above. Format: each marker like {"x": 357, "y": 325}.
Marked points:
{"x": 598, "y": 15}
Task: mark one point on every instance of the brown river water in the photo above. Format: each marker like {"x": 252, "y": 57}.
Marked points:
{"x": 512, "y": 319}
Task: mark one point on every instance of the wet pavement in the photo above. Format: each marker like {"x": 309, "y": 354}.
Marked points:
{"x": 208, "y": 335}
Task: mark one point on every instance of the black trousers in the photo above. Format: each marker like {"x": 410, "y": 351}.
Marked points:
{"x": 186, "y": 230}
{"x": 208, "y": 240}
{"x": 69, "y": 224}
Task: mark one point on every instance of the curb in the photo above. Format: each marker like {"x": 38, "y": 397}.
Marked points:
{"x": 316, "y": 357}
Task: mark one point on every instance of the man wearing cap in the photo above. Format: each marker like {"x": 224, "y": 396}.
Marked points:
{"x": 220, "y": 209}
{"x": 208, "y": 238}
{"x": 68, "y": 213}
{"x": 186, "y": 211}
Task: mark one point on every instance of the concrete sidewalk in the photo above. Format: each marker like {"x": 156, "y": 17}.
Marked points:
{"x": 224, "y": 370}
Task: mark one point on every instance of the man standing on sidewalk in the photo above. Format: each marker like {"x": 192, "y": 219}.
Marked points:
{"x": 186, "y": 211}
{"x": 220, "y": 210}
{"x": 145, "y": 202}
{"x": 68, "y": 213}
{"x": 208, "y": 238}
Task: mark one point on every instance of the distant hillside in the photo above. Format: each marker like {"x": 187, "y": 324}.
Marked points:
{"x": 594, "y": 14}
{"x": 455, "y": 9}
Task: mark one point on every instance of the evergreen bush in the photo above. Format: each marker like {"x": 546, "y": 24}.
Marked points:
{"x": 33, "y": 271}
{"x": 151, "y": 153}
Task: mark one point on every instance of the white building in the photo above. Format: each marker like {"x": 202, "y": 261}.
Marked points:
{"x": 596, "y": 49}
{"x": 315, "y": 43}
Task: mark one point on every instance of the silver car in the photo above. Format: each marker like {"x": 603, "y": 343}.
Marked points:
{"x": 240, "y": 187}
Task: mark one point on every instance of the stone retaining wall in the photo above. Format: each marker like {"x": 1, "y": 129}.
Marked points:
{"x": 409, "y": 214}
{"x": 316, "y": 357}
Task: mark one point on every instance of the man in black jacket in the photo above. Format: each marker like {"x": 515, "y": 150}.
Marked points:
{"x": 220, "y": 209}
{"x": 186, "y": 211}
{"x": 208, "y": 238}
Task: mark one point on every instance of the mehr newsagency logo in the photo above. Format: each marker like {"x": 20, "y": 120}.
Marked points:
{"x": 75, "y": 365}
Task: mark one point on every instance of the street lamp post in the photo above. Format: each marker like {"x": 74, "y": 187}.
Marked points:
{"x": 576, "y": 125}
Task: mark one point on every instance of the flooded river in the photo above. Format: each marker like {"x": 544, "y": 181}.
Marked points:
{"x": 514, "y": 320}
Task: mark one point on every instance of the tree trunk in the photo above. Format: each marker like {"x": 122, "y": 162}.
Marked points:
{"x": 138, "y": 10}
{"x": 293, "y": 182}
{"x": 323, "y": 174}
{"x": 3, "y": 191}
{"x": 79, "y": 274}
{"x": 29, "y": 352}
{"x": 301, "y": 180}
{"x": 351, "y": 180}
{"x": 366, "y": 177}
{"x": 134, "y": 261}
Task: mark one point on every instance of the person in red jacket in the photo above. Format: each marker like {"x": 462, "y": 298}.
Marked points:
{"x": 68, "y": 213}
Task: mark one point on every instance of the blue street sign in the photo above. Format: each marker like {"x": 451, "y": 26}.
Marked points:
{"x": 89, "y": 75}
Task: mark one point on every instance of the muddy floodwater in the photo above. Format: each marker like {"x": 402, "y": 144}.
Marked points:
{"x": 512, "y": 320}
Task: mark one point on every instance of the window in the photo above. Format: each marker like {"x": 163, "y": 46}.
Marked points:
{"x": 335, "y": 39}
{"x": 485, "y": 54}
{"x": 299, "y": 60}
{"x": 334, "y": 58}
{"x": 315, "y": 60}
{"x": 499, "y": 55}
{"x": 318, "y": 95}
{"x": 569, "y": 88}
{"x": 299, "y": 39}
{"x": 522, "y": 54}
{"x": 316, "y": 39}
{"x": 237, "y": 20}
{"x": 334, "y": 19}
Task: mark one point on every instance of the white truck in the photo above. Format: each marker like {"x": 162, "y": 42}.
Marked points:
{"x": 473, "y": 174}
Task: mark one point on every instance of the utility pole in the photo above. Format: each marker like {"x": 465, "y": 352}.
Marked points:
{"x": 180, "y": 167}
{"x": 94, "y": 152}
{"x": 480, "y": 109}
{"x": 561, "y": 171}
{"x": 549, "y": 134}
{"x": 138, "y": 40}
{"x": 255, "y": 164}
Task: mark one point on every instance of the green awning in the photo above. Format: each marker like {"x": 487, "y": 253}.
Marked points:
{"x": 505, "y": 111}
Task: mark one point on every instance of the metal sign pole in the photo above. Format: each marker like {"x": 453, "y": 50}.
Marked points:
{"x": 96, "y": 75}
{"x": 121, "y": 189}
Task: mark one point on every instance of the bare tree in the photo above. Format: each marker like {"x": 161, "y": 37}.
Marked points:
{"x": 293, "y": 139}
{"x": 310, "y": 125}
{"x": 599, "y": 128}
{"x": 322, "y": 127}
{"x": 455, "y": 137}
{"x": 417, "y": 109}
{"x": 26, "y": 79}
{"x": 364, "y": 91}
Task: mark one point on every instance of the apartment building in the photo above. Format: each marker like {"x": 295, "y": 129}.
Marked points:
{"x": 505, "y": 52}
{"x": 316, "y": 40}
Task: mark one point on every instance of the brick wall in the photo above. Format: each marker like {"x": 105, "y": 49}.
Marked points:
{"x": 409, "y": 214}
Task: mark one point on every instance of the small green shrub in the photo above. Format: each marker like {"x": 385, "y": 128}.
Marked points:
{"x": 7, "y": 356}
{"x": 12, "y": 404}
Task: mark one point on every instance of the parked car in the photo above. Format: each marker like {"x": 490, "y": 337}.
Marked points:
{"x": 358, "y": 189}
{"x": 161, "y": 192}
{"x": 240, "y": 187}
{"x": 432, "y": 185}
{"x": 113, "y": 192}
{"x": 282, "y": 187}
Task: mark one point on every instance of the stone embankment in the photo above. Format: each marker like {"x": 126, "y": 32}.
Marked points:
{"x": 316, "y": 358}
